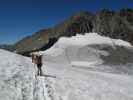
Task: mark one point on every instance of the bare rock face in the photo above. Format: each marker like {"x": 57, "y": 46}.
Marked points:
{"x": 117, "y": 25}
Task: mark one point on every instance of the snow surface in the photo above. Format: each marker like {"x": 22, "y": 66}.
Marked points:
{"x": 17, "y": 79}
{"x": 83, "y": 63}
{"x": 82, "y": 40}
{"x": 82, "y": 73}
{"x": 83, "y": 67}
{"x": 92, "y": 38}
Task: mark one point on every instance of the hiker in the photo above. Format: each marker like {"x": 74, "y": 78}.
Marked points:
{"x": 37, "y": 59}
{"x": 39, "y": 64}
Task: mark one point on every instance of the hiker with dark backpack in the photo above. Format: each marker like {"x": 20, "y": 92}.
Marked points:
{"x": 37, "y": 59}
{"x": 39, "y": 65}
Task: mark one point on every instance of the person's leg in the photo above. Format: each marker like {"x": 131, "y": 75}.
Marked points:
{"x": 40, "y": 69}
{"x": 37, "y": 69}
{"x": 39, "y": 72}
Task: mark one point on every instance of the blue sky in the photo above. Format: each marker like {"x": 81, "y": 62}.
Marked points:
{"x": 19, "y": 18}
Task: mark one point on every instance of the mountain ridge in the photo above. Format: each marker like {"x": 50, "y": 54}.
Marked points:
{"x": 114, "y": 24}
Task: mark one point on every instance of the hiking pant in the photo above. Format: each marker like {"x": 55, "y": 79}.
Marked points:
{"x": 39, "y": 72}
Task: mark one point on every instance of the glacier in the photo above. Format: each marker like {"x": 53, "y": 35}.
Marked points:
{"x": 87, "y": 67}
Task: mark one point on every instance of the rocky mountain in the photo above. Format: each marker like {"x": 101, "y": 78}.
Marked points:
{"x": 117, "y": 25}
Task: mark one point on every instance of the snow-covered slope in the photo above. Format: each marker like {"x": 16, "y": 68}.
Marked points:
{"x": 17, "y": 79}
{"x": 85, "y": 44}
{"x": 90, "y": 67}
{"x": 83, "y": 67}
{"x": 93, "y": 49}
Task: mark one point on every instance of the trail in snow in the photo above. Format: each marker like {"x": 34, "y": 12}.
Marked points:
{"x": 42, "y": 89}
